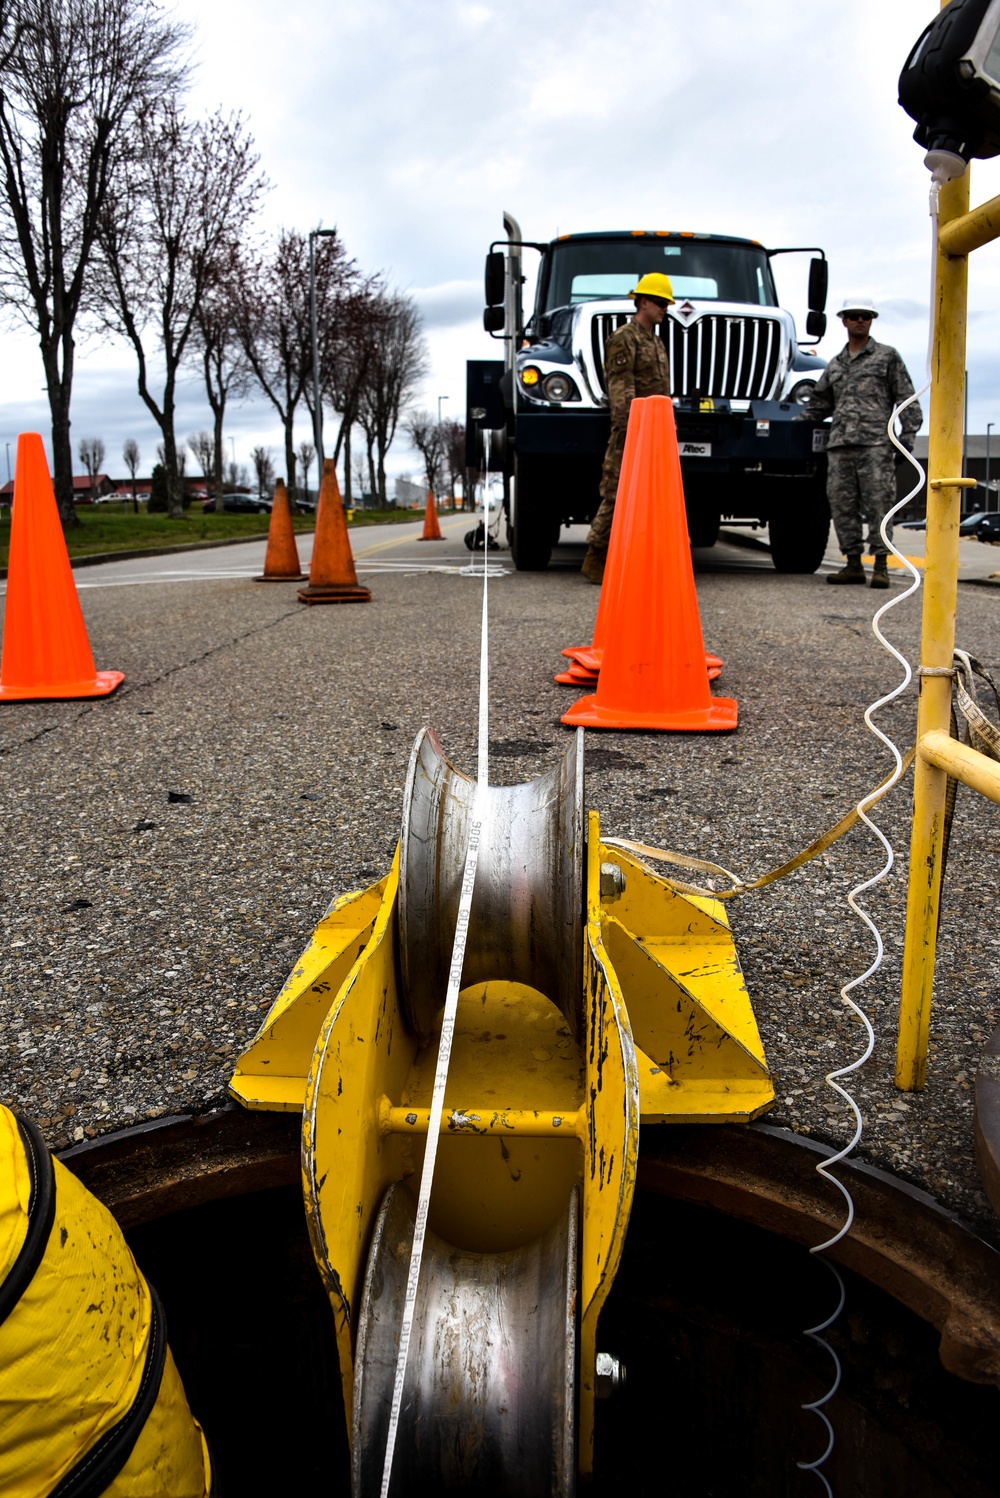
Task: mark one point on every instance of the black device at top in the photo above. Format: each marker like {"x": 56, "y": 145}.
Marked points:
{"x": 950, "y": 83}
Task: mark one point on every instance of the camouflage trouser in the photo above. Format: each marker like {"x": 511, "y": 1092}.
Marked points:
{"x": 600, "y": 530}
{"x": 861, "y": 487}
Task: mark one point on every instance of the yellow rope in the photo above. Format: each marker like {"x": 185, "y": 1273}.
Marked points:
{"x": 741, "y": 886}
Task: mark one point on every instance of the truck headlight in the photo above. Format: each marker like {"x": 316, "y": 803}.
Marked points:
{"x": 559, "y": 387}
{"x": 801, "y": 392}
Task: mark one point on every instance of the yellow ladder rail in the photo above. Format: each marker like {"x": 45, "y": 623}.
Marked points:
{"x": 938, "y": 756}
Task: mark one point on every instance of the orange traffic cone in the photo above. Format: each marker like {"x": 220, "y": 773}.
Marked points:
{"x": 586, "y": 659}
{"x": 432, "y": 531}
{"x": 46, "y": 652}
{"x": 332, "y": 576}
{"x": 281, "y": 560}
{"x": 652, "y": 671}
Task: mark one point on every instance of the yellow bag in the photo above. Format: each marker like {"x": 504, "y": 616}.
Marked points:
{"x": 90, "y": 1400}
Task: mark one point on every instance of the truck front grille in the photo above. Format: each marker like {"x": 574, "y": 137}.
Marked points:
{"x": 738, "y": 358}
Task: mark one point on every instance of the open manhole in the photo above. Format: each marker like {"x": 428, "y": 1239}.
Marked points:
{"x": 706, "y": 1313}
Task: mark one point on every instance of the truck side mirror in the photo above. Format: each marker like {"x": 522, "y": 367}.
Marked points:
{"x": 493, "y": 319}
{"x": 494, "y": 279}
{"x": 816, "y": 323}
{"x": 819, "y": 274}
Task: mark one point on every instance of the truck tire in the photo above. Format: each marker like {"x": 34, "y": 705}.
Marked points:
{"x": 530, "y": 527}
{"x": 798, "y": 536}
{"x": 703, "y": 527}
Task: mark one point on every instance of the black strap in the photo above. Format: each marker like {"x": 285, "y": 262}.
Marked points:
{"x": 41, "y": 1215}
{"x": 98, "y": 1467}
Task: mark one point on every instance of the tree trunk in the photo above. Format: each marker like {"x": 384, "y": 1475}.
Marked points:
{"x": 371, "y": 472}
{"x": 175, "y": 487}
{"x": 220, "y": 491}
{"x": 382, "y": 498}
{"x": 347, "y": 467}
{"x": 290, "y": 452}
{"x": 62, "y": 449}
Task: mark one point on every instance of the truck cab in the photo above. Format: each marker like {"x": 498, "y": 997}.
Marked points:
{"x": 739, "y": 381}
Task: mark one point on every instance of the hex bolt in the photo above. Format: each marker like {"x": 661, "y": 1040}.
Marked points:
{"x": 612, "y": 881}
{"x": 610, "y": 1376}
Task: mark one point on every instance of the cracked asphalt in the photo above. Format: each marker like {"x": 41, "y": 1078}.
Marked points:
{"x": 168, "y": 850}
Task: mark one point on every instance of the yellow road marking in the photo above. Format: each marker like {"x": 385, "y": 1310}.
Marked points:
{"x": 399, "y": 540}
{"x": 893, "y": 562}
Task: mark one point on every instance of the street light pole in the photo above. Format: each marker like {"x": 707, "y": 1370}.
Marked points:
{"x": 989, "y": 428}
{"x": 315, "y": 234}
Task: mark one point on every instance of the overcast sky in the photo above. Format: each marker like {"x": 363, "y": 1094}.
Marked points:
{"x": 411, "y": 127}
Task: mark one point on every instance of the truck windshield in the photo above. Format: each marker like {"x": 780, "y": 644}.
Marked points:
{"x": 589, "y": 270}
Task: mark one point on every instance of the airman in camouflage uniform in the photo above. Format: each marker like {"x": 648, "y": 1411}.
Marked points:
{"x": 859, "y": 390}
{"x": 635, "y": 364}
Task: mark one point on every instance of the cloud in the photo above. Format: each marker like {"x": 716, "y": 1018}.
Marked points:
{"x": 902, "y": 309}
{"x": 412, "y": 127}
{"x": 450, "y": 303}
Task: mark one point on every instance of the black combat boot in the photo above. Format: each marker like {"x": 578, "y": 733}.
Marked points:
{"x": 880, "y": 575}
{"x": 852, "y": 573}
{"x": 593, "y": 564}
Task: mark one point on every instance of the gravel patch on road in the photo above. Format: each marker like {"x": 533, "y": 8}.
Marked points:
{"x": 168, "y": 851}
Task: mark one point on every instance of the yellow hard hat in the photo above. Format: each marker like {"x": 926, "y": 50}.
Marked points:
{"x": 655, "y": 284}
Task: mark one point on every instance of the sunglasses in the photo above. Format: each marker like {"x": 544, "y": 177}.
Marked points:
{"x": 858, "y": 316}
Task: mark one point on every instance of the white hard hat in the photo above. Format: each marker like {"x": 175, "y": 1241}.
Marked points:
{"x": 858, "y": 304}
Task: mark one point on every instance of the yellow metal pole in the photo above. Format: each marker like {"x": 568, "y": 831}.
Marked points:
{"x": 944, "y": 467}
{"x": 959, "y": 762}
{"x": 972, "y": 230}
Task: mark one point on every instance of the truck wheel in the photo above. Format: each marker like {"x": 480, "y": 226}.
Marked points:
{"x": 703, "y": 527}
{"x": 529, "y": 527}
{"x": 531, "y": 544}
{"x": 798, "y": 537}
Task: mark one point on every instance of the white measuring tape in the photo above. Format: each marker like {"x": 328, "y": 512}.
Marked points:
{"x": 480, "y": 809}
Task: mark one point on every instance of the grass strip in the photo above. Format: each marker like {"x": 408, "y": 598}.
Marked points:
{"x": 106, "y": 529}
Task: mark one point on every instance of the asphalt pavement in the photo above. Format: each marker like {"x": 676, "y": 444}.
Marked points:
{"x": 168, "y": 850}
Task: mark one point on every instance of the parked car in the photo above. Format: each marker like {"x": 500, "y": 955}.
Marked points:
{"x": 988, "y": 528}
{"x": 979, "y": 521}
{"x": 240, "y": 504}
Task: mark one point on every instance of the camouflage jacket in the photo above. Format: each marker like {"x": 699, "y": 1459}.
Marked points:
{"x": 635, "y": 363}
{"x": 860, "y": 394}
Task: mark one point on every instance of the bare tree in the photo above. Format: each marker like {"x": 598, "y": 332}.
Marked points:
{"x": 425, "y": 434}
{"x": 453, "y": 454}
{"x": 306, "y": 454}
{"x": 192, "y": 187}
{"x": 359, "y": 474}
{"x": 92, "y": 452}
{"x": 74, "y": 77}
{"x": 346, "y": 340}
{"x": 202, "y": 445}
{"x": 397, "y": 364}
{"x": 274, "y": 324}
{"x": 263, "y": 467}
{"x": 132, "y": 457}
{"x": 223, "y": 361}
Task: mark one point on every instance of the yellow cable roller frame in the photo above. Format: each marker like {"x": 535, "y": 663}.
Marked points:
{"x": 596, "y": 1000}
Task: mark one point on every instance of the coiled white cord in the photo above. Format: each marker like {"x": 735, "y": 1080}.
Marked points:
{"x": 833, "y": 1079}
